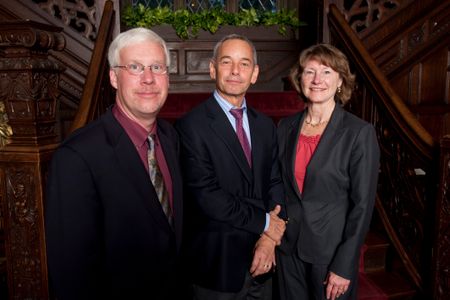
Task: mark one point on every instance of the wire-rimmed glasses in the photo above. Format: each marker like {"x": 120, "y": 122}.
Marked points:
{"x": 138, "y": 68}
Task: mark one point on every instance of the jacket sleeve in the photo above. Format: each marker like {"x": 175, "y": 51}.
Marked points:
{"x": 276, "y": 190}
{"x": 363, "y": 172}
{"x": 72, "y": 223}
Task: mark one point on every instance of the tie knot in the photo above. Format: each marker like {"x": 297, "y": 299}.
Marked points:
{"x": 151, "y": 140}
{"x": 237, "y": 112}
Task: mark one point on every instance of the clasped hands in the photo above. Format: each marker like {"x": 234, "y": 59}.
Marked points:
{"x": 264, "y": 255}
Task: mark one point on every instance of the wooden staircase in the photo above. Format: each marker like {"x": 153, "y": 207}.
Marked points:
{"x": 399, "y": 250}
{"x": 390, "y": 264}
{"x": 376, "y": 280}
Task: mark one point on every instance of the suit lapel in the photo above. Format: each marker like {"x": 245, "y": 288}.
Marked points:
{"x": 134, "y": 171}
{"x": 258, "y": 141}
{"x": 327, "y": 140}
{"x": 292, "y": 137}
{"x": 221, "y": 126}
{"x": 171, "y": 157}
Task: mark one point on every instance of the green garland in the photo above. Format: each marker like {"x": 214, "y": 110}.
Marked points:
{"x": 187, "y": 24}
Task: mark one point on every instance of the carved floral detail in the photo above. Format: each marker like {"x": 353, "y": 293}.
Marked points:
{"x": 25, "y": 36}
{"x": 416, "y": 38}
{"x": 74, "y": 13}
{"x": 15, "y": 90}
{"x": 17, "y": 38}
{"x": 24, "y": 224}
{"x": 443, "y": 238}
{"x": 28, "y": 89}
{"x": 361, "y": 14}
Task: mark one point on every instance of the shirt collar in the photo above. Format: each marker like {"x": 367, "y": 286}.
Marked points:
{"x": 136, "y": 132}
{"x": 226, "y": 106}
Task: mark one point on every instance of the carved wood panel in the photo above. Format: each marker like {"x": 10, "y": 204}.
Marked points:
{"x": 442, "y": 238}
{"x": 81, "y": 15}
{"x": 410, "y": 43}
{"x": 402, "y": 45}
{"x": 79, "y": 40}
{"x": 364, "y": 16}
{"x": 26, "y": 263}
{"x": 29, "y": 89}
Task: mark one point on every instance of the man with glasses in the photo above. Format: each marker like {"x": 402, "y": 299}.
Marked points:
{"x": 114, "y": 200}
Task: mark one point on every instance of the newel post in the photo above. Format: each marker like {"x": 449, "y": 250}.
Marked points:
{"x": 28, "y": 90}
{"x": 441, "y": 249}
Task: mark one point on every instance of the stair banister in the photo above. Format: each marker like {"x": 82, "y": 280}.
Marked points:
{"x": 97, "y": 91}
{"x": 408, "y": 163}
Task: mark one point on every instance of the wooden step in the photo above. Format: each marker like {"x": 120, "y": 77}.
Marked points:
{"x": 393, "y": 285}
{"x": 375, "y": 253}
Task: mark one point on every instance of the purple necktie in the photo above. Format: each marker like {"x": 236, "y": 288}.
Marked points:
{"x": 237, "y": 114}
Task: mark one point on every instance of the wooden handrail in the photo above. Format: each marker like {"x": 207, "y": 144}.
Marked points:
{"x": 394, "y": 121}
{"x": 97, "y": 72}
{"x": 411, "y": 127}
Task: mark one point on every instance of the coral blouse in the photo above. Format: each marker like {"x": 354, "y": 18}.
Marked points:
{"x": 305, "y": 148}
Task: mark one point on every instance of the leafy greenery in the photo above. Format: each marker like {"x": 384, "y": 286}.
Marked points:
{"x": 187, "y": 24}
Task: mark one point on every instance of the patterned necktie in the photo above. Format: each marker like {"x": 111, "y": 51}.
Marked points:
{"x": 237, "y": 114}
{"x": 157, "y": 178}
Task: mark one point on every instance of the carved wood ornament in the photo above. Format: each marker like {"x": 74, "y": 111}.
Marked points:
{"x": 29, "y": 90}
{"x": 76, "y": 14}
{"x": 442, "y": 244}
{"x": 5, "y": 129}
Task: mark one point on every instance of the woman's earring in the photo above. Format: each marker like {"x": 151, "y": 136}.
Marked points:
{"x": 339, "y": 90}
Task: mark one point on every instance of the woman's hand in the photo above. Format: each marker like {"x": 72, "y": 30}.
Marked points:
{"x": 264, "y": 256}
{"x": 336, "y": 286}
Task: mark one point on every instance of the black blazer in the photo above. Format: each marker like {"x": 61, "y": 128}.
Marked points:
{"x": 329, "y": 220}
{"x": 107, "y": 236}
{"x": 226, "y": 199}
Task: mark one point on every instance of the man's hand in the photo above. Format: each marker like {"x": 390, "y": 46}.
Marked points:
{"x": 336, "y": 285}
{"x": 277, "y": 226}
{"x": 263, "y": 257}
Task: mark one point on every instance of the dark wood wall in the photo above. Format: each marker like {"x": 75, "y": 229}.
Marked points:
{"x": 409, "y": 41}
{"x": 412, "y": 50}
{"x": 189, "y": 71}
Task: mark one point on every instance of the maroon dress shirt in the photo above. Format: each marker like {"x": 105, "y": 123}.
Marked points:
{"x": 138, "y": 136}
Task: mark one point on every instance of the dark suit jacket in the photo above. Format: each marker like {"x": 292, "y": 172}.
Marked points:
{"x": 107, "y": 236}
{"x": 329, "y": 220}
{"x": 226, "y": 200}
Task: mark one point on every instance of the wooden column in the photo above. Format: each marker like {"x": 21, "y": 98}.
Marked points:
{"x": 441, "y": 249}
{"x": 29, "y": 89}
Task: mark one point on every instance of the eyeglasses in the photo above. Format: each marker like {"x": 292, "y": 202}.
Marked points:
{"x": 138, "y": 69}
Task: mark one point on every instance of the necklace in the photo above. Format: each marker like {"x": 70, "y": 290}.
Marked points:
{"x": 317, "y": 124}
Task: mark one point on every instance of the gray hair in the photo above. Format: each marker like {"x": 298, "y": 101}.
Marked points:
{"x": 235, "y": 37}
{"x": 132, "y": 37}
